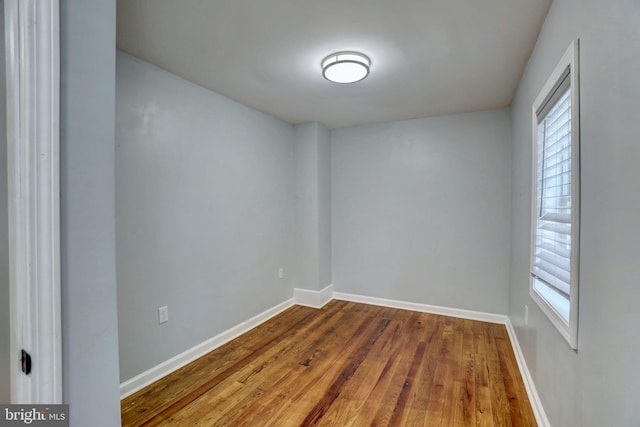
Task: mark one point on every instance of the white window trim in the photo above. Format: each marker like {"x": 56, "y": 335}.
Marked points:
{"x": 570, "y": 59}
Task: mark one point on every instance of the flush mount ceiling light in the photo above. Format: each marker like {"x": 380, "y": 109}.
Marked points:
{"x": 345, "y": 67}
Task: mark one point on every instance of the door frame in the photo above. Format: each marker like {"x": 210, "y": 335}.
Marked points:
{"x": 32, "y": 59}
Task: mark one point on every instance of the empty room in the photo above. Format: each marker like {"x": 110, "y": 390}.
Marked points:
{"x": 296, "y": 212}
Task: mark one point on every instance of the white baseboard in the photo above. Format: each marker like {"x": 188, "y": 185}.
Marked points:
{"x": 142, "y": 380}
{"x": 536, "y": 403}
{"x": 315, "y": 299}
{"x": 424, "y": 308}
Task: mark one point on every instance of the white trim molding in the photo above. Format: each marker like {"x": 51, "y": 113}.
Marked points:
{"x": 317, "y": 299}
{"x": 33, "y": 69}
{"x": 536, "y": 403}
{"x": 424, "y": 308}
{"x": 152, "y": 375}
{"x": 314, "y": 299}
{"x": 550, "y": 302}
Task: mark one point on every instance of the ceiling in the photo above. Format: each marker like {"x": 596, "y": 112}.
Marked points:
{"x": 429, "y": 57}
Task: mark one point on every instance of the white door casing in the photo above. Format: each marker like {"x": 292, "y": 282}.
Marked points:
{"x": 32, "y": 69}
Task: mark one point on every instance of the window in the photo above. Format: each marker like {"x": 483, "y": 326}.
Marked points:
{"x": 556, "y": 209}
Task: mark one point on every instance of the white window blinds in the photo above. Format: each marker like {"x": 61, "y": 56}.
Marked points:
{"x": 555, "y": 196}
{"x": 551, "y": 265}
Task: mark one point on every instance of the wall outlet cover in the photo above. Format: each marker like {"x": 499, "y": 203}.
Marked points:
{"x": 163, "y": 314}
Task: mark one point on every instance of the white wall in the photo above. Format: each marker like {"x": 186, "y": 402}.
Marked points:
{"x": 204, "y": 213}
{"x": 313, "y": 207}
{"x": 598, "y": 384}
{"x": 5, "y": 386}
{"x": 421, "y": 210}
{"x": 89, "y": 311}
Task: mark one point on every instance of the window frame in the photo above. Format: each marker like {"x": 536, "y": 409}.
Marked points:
{"x": 570, "y": 60}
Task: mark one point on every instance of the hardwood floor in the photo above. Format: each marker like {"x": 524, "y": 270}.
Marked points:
{"x": 346, "y": 364}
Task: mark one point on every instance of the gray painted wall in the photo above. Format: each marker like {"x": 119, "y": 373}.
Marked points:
{"x": 313, "y": 206}
{"x": 5, "y": 337}
{"x": 421, "y": 210}
{"x": 325, "y": 274}
{"x": 204, "y": 213}
{"x": 89, "y": 311}
{"x": 598, "y": 384}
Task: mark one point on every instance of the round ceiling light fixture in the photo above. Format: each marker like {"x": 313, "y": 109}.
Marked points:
{"x": 346, "y": 67}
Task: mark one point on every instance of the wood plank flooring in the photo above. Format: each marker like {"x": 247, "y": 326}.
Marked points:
{"x": 347, "y": 364}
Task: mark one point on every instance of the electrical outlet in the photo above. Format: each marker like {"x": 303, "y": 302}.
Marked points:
{"x": 281, "y": 273}
{"x": 526, "y": 315}
{"x": 163, "y": 314}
